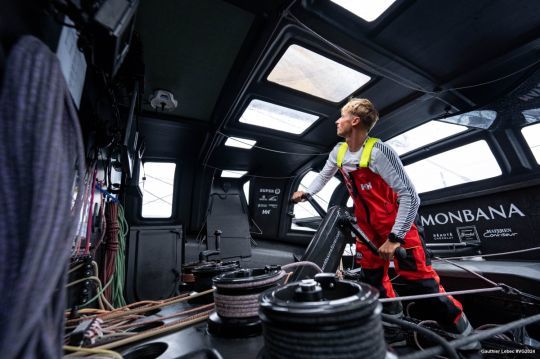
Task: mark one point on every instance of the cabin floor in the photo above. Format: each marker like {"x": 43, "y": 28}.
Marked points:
{"x": 484, "y": 310}
{"x": 196, "y": 342}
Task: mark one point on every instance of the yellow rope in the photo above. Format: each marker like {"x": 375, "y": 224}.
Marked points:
{"x": 79, "y": 350}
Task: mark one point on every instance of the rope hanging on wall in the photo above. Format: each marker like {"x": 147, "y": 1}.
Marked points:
{"x": 41, "y": 153}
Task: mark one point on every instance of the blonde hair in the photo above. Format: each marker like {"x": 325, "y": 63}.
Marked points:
{"x": 363, "y": 108}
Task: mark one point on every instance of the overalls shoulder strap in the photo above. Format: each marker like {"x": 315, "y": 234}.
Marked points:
{"x": 366, "y": 153}
{"x": 341, "y": 153}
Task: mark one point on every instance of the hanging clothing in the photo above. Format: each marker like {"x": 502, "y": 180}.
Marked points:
{"x": 41, "y": 157}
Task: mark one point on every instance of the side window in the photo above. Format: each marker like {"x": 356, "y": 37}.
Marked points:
{"x": 246, "y": 191}
{"x": 472, "y": 162}
{"x": 156, "y": 181}
{"x": 303, "y": 211}
{"x": 532, "y": 136}
{"x": 437, "y": 130}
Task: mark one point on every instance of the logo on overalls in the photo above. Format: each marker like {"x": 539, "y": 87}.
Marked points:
{"x": 365, "y": 186}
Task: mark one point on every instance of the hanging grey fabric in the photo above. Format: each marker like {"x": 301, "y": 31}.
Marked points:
{"x": 41, "y": 154}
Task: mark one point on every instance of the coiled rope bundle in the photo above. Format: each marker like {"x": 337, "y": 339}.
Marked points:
{"x": 237, "y": 300}
{"x": 111, "y": 245}
{"x": 41, "y": 152}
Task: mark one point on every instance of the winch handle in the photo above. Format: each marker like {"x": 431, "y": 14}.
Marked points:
{"x": 350, "y": 223}
{"x": 203, "y": 256}
{"x": 308, "y": 197}
{"x": 400, "y": 253}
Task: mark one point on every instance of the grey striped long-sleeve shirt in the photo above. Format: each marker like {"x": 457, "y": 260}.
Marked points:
{"x": 386, "y": 163}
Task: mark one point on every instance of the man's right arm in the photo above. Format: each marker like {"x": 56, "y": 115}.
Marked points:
{"x": 298, "y": 196}
{"x": 329, "y": 170}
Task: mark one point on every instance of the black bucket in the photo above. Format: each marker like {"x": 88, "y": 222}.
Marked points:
{"x": 146, "y": 351}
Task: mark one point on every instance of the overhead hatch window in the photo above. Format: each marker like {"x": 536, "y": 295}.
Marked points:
{"x": 478, "y": 119}
{"x": 368, "y": 10}
{"x": 314, "y": 74}
{"x": 472, "y": 162}
{"x": 157, "y": 189}
{"x": 240, "y": 142}
{"x": 422, "y": 135}
{"x": 532, "y": 115}
{"x": 232, "y": 174}
{"x": 532, "y": 136}
{"x": 275, "y": 117}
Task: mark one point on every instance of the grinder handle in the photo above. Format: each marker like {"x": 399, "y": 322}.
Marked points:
{"x": 350, "y": 223}
{"x": 315, "y": 205}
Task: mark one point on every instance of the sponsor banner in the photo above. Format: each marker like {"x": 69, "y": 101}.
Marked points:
{"x": 468, "y": 234}
{"x": 500, "y": 222}
{"x": 266, "y": 198}
{"x": 468, "y": 215}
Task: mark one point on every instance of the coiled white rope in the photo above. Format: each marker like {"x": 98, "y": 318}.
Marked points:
{"x": 242, "y": 306}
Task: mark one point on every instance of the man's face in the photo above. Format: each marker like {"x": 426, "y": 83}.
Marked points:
{"x": 345, "y": 124}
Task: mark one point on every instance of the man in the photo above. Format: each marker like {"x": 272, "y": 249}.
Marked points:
{"x": 386, "y": 205}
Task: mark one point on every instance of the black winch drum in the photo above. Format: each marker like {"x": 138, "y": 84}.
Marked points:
{"x": 188, "y": 277}
{"x": 203, "y": 277}
{"x": 187, "y": 271}
{"x": 236, "y": 297}
{"x": 321, "y": 318}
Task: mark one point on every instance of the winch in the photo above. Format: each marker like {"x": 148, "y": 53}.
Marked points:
{"x": 237, "y": 300}
{"x": 322, "y": 317}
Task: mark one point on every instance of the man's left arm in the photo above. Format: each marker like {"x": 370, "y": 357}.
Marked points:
{"x": 387, "y": 164}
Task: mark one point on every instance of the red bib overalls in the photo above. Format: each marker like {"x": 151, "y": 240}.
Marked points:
{"x": 376, "y": 206}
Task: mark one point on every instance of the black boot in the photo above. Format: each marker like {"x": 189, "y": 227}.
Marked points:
{"x": 394, "y": 335}
{"x": 463, "y": 328}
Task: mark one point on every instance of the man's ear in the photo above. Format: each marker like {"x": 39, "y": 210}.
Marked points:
{"x": 356, "y": 121}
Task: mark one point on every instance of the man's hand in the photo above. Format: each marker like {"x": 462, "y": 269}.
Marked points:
{"x": 298, "y": 196}
{"x": 386, "y": 251}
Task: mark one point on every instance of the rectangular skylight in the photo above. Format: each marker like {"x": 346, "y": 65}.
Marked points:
{"x": 314, "y": 74}
{"x": 479, "y": 119}
{"x": 368, "y": 10}
{"x": 422, "y": 135}
{"x": 232, "y": 174}
{"x": 240, "y": 142}
{"x": 269, "y": 115}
